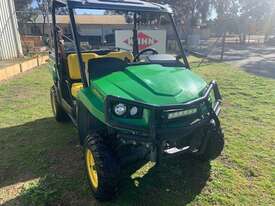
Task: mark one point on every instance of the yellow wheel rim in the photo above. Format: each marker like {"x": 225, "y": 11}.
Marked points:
{"x": 92, "y": 173}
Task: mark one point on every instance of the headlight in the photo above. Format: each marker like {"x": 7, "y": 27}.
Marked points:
{"x": 133, "y": 111}
{"x": 120, "y": 109}
{"x": 184, "y": 113}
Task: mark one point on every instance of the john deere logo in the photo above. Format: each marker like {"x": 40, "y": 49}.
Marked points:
{"x": 144, "y": 41}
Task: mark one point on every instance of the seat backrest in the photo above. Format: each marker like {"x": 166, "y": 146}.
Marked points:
{"x": 73, "y": 66}
{"x": 123, "y": 55}
{"x": 100, "y": 67}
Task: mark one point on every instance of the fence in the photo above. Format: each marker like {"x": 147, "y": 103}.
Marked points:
{"x": 226, "y": 47}
{"x": 204, "y": 41}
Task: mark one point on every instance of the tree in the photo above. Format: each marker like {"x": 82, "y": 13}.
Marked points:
{"x": 21, "y": 5}
{"x": 260, "y": 13}
{"x": 245, "y": 16}
{"x": 188, "y": 13}
{"x": 24, "y": 13}
{"x": 43, "y": 6}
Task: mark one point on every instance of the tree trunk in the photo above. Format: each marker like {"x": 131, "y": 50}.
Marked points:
{"x": 223, "y": 46}
{"x": 244, "y": 39}
{"x": 266, "y": 37}
{"x": 240, "y": 38}
{"x": 43, "y": 26}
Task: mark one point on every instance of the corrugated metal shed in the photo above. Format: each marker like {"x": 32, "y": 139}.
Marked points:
{"x": 10, "y": 44}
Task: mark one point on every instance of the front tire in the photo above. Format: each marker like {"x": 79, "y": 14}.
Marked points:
{"x": 102, "y": 168}
{"x": 215, "y": 145}
{"x": 58, "y": 112}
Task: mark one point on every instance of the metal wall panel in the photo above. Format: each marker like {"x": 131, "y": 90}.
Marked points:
{"x": 10, "y": 43}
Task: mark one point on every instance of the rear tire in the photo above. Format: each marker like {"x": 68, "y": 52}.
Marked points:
{"x": 102, "y": 168}
{"x": 215, "y": 145}
{"x": 58, "y": 112}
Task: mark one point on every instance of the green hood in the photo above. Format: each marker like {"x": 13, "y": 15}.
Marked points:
{"x": 152, "y": 84}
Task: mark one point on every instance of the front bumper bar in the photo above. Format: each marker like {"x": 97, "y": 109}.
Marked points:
{"x": 154, "y": 134}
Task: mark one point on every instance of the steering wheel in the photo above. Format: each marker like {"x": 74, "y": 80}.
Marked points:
{"x": 154, "y": 52}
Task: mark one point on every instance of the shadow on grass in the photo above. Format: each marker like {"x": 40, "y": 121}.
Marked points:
{"x": 49, "y": 152}
{"x": 263, "y": 68}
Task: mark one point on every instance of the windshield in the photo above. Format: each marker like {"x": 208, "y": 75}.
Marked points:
{"x": 107, "y": 30}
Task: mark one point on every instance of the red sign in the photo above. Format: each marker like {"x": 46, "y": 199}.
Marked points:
{"x": 144, "y": 41}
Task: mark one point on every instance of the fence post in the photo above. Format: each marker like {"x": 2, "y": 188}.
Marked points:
{"x": 223, "y": 46}
{"x": 37, "y": 59}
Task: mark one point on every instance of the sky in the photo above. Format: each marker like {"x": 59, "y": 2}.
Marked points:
{"x": 80, "y": 11}
{"x": 34, "y": 4}
{"x": 213, "y": 14}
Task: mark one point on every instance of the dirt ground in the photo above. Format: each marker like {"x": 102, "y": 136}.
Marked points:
{"x": 258, "y": 59}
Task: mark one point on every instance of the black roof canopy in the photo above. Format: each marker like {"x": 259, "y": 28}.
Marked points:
{"x": 122, "y": 5}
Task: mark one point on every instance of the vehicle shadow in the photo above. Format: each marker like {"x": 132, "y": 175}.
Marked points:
{"x": 49, "y": 152}
{"x": 176, "y": 181}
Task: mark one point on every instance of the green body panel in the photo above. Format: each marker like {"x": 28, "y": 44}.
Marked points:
{"x": 152, "y": 84}
{"x": 93, "y": 101}
{"x": 52, "y": 69}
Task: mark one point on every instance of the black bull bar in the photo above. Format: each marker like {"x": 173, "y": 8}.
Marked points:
{"x": 152, "y": 132}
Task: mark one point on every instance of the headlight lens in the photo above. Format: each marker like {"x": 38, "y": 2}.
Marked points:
{"x": 183, "y": 113}
{"x": 120, "y": 109}
{"x": 133, "y": 111}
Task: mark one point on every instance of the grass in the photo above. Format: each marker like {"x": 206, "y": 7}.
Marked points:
{"x": 41, "y": 162}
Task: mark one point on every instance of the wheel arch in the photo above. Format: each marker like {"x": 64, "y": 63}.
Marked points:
{"x": 87, "y": 123}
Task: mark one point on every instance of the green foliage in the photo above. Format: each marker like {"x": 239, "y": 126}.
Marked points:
{"x": 24, "y": 13}
{"x": 235, "y": 16}
{"x": 245, "y": 16}
{"x": 21, "y": 5}
{"x": 188, "y": 13}
{"x": 43, "y": 7}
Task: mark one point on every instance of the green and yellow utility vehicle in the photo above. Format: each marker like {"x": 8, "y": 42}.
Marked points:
{"x": 128, "y": 88}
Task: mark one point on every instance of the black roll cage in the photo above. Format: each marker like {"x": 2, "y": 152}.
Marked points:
{"x": 105, "y": 5}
